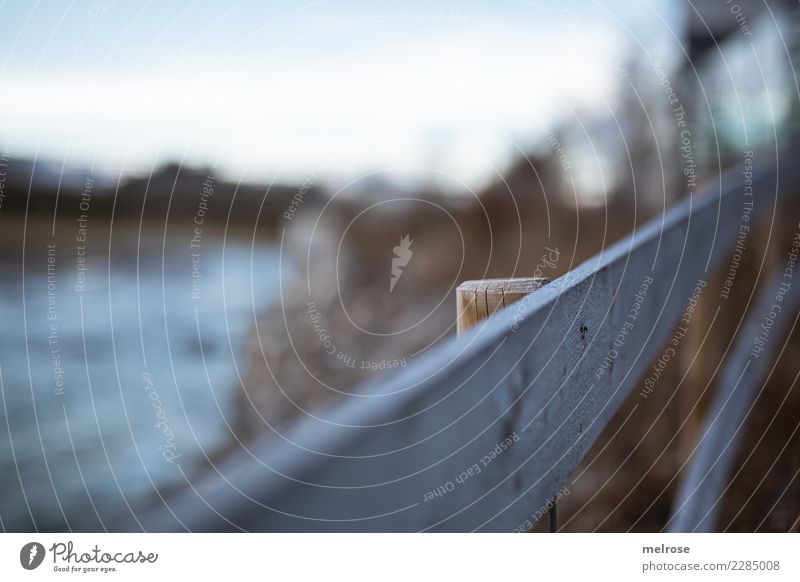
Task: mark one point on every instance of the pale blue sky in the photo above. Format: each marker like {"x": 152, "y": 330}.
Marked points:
{"x": 284, "y": 88}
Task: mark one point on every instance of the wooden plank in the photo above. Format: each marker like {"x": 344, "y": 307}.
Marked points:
{"x": 700, "y": 493}
{"x": 538, "y": 372}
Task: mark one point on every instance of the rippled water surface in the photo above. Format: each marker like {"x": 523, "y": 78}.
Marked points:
{"x": 115, "y": 384}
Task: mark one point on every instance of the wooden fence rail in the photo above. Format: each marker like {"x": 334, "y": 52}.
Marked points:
{"x": 479, "y": 433}
{"x": 700, "y": 494}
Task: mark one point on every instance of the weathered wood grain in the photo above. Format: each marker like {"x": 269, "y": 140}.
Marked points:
{"x": 477, "y": 300}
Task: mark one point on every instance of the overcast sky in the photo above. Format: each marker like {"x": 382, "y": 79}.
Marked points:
{"x": 443, "y": 90}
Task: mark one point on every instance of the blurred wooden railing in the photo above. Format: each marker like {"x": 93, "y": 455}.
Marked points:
{"x": 481, "y": 432}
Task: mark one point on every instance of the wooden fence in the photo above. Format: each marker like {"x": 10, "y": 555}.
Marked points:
{"x": 481, "y": 432}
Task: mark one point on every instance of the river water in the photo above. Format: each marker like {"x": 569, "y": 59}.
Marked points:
{"x": 118, "y": 376}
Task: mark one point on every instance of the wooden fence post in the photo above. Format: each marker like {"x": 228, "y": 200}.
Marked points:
{"x": 477, "y": 300}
